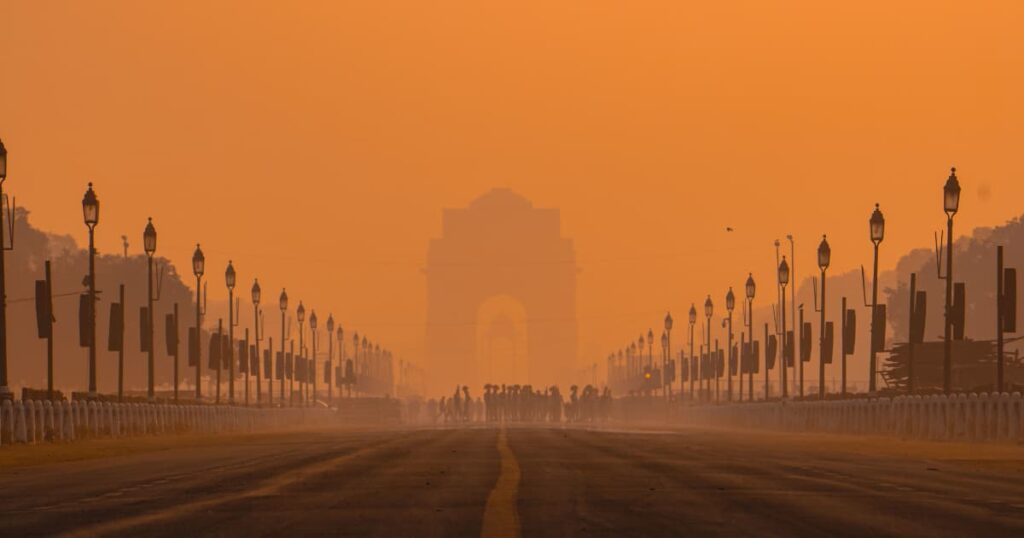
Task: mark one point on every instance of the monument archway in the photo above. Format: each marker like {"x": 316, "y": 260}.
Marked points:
{"x": 500, "y": 246}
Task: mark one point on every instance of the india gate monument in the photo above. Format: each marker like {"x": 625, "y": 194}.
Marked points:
{"x": 501, "y": 296}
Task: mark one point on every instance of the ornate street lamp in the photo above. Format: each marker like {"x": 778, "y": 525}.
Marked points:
{"x": 824, "y": 259}
{"x": 668, "y": 355}
{"x": 951, "y": 204}
{"x": 149, "y": 245}
{"x": 329, "y": 368}
{"x": 730, "y": 305}
{"x": 631, "y": 357}
{"x": 229, "y": 281}
{"x": 751, "y": 288}
{"x": 693, "y": 321}
{"x": 876, "y": 225}
{"x": 257, "y": 337}
{"x": 300, "y": 316}
{"x": 91, "y": 215}
{"x": 709, "y": 309}
{"x": 312, "y": 359}
{"x": 650, "y": 348}
{"x": 783, "y": 280}
{"x": 5, "y": 390}
{"x": 198, "y": 269}
{"x": 283, "y": 303}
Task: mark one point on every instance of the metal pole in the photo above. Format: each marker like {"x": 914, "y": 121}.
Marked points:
{"x": 49, "y": 338}
{"x": 718, "y": 374}
{"x": 5, "y": 390}
{"x": 691, "y": 359}
{"x": 752, "y": 357}
{"x": 739, "y": 357}
{"x": 312, "y": 365}
{"x": 247, "y": 366}
{"x": 842, "y": 347}
{"x": 199, "y": 338}
{"x": 728, "y": 360}
{"x": 779, "y": 290}
{"x": 284, "y": 369}
{"x": 709, "y": 359}
{"x": 767, "y": 391}
{"x": 270, "y": 379}
{"x": 220, "y": 339}
{"x": 947, "y": 350}
{"x": 302, "y": 348}
{"x": 92, "y": 313}
{"x": 668, "y": 357}
{"x": 821, "y": 333}
{"x": 259, "y": 360}
{"x": 792, "y": 306}
{"x": 910, "y": 340}
{"x": 120, "y": 351}
{"x": 330, "y": 369}
{"x": 998, "y": 318}
{"x": 176, "y": 353}
{"x": 739, "y": 362}
{"x": 798, "y": 329}
{"x": 230, "y": 355}
{"x": 150, "y": 393}
{"x": 872, "y": 363}
{"x": 782, "y": 312}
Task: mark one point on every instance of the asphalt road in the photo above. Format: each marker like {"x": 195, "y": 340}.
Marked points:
{"x": 525, "y": 481}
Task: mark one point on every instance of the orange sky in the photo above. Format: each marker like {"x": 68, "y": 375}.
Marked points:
{"x": 315, "y": 143}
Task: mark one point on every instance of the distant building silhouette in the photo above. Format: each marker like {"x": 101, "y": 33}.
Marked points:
{"x": 501, "y": 247}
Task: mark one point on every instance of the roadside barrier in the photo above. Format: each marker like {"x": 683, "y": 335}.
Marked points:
{"x": 30, "y": 421}
{"x": 984, "y": 417}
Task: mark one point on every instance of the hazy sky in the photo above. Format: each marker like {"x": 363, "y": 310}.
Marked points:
{"x": 315, "y": 143}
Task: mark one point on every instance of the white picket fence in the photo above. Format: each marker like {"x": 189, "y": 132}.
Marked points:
{"x": 964, "y": 417}
{"x": 40, "y": 421}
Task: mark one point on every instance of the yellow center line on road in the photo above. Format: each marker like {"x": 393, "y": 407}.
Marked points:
{"x": 501, "y": 518}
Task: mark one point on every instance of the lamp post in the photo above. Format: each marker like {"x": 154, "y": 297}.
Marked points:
{"x": 356, "y": 371}
{"x": 693, "y": 321}
{"x": 778, "y": 302}
{"x": 824, "y": 259}
{"x": 257, "y": 336}
{"x": 341, "y": 359}
{"x": 668, "y": 352}
{"x": 330, "y": 359}
{"x": 631, "y": 359}
{"x": 311, "y": 365}
{"x": 283, "y": 303}
{"x": 664, "y": 364}
{"x": 730, "y": 305}
{"x": 650, "y": 359}
{"x": 709, "y": 309}
{"x": 229, "y": 280}
{"x": 300, "y": 316}
{"x": 792, "y": 306}
{"x": 369, "y": 364}
{"x": 621, "y": 371}
{"x": 951, "y": 204}
{"x": 198, "y": 268}
{"x": 751, "y": 289}
{"x": 149, "y": 245}
{"x": 91, "y": 215}
{"x": 878, "y": 230}
{"x": 642, "y": 364}
{"x": 783, "y": 280}
{"x": 5, "y": 390}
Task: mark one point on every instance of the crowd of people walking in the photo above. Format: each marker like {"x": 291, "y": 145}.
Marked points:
{"x": 522, "y": 403}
